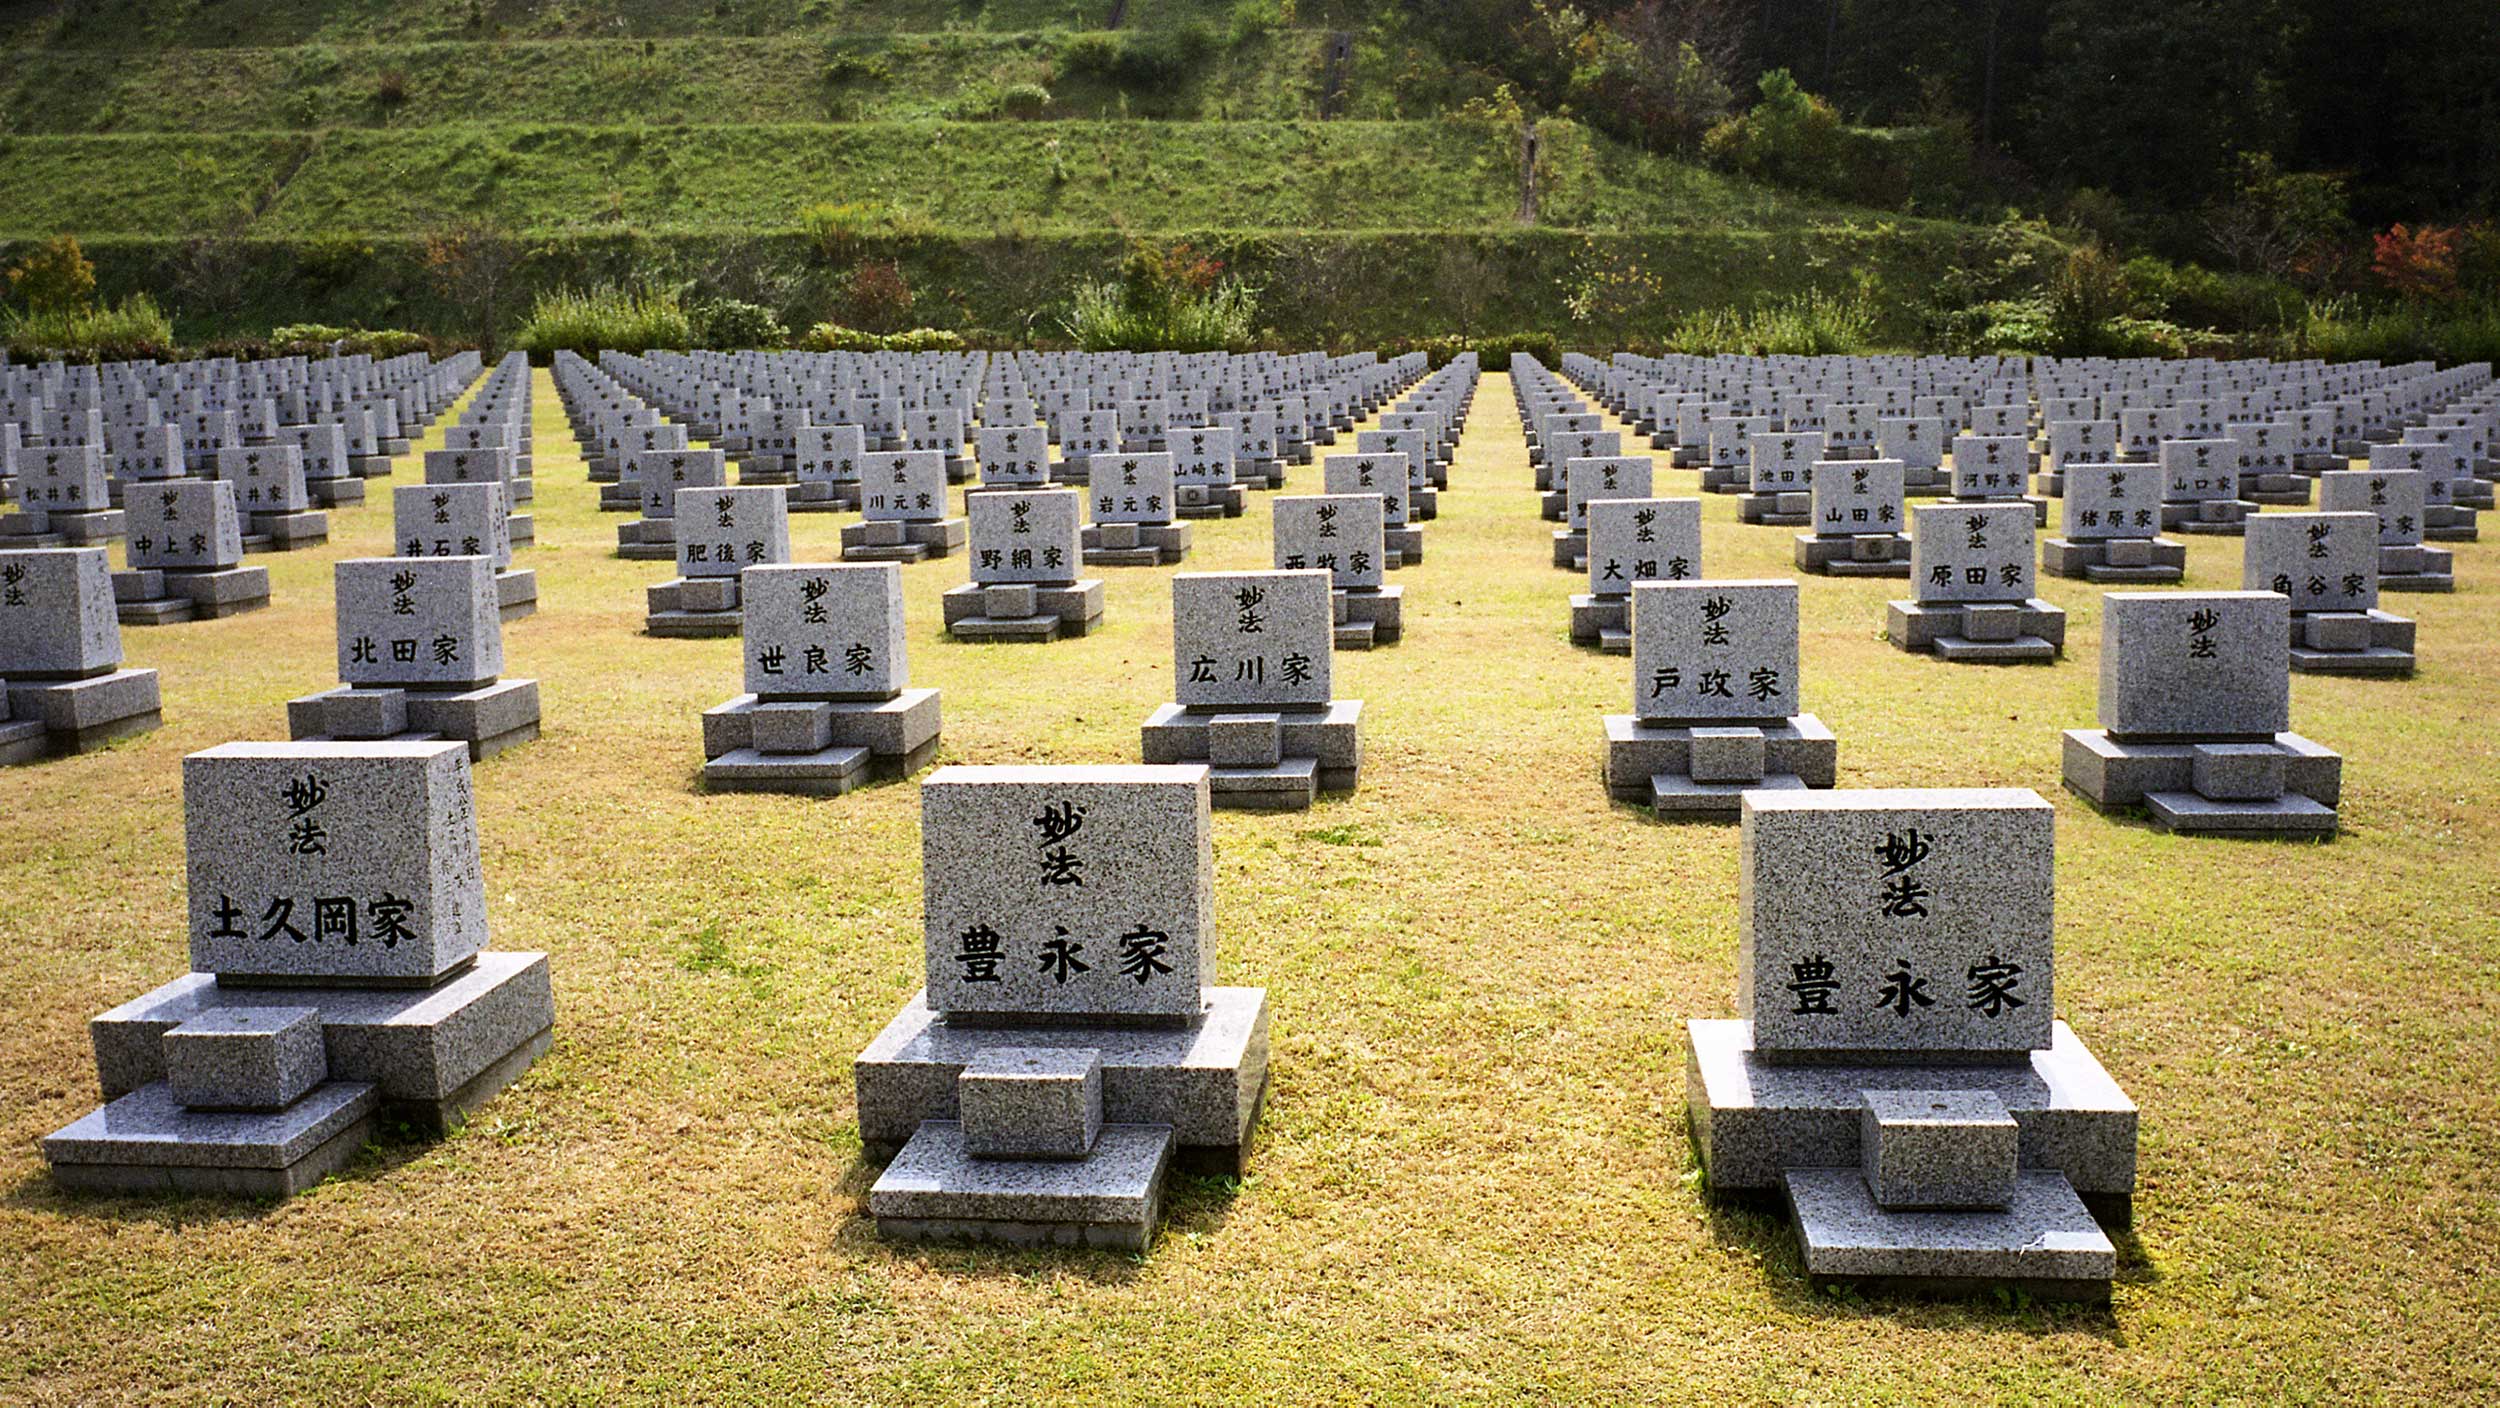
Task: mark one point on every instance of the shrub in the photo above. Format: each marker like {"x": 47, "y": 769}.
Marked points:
{"x": 318, "y": 340}
{"x": 56, "y": 279}
{"x": 1789, "y": 136}
{"x": 1166, "y": 299}
{"x": 2417, "y": 262}
{"x": 1493, "y": 354}
{"x": 833, "y": 337}
{"x": 877, "y": 295}
{"x": 1815, "y": 323}
{"x": 604, "y": 318}
{"x": 728, "y": 325}
{"x": 836, "y": 229}
{"x": 134, "y": 329}
{"x": 390, "y": 89}
{"x": 1257, "y": 19}
{"x": 1140, "y": 61}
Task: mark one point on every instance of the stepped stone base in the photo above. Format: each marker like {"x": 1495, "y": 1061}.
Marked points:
{"x": 489, "y": 718}
{"x": 2283, "y": 786}
{"x": 1857, "y": 555}
{"x": 2046, "y": 1242}
{"x": 2116, "y": 560}
{"x": 1988, "y": 633}
{"x": 1263, "y": 759}
{"x": 936, "y": 1191}
{"x": 1685, "y": 772}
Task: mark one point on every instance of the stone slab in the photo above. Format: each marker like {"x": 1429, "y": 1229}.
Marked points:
{"x": 2046, "y": 1236}
{"x": 937, "y": 1190}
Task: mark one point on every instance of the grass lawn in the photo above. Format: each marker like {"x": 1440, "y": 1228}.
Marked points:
{"x": 1472, "y": 1182}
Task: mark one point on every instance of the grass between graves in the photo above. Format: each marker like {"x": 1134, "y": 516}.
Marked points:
{"x": 1472, "y": 1182}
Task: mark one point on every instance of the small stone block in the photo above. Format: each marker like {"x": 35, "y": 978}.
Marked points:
{"x": 707, "y": 594}
{"x": 2129, "y": 552}
{"x": 1938, "y": 1149}
{"x": 1727, "y": 755}
{"x": 1994, "y": 624}
{"x": 1118, "y": 536}
{"x": 246, "y": 1058}
{"x": 1013, "y": 601}
{"x": 2336, "y": 630}
{"x": 791, "y": 728}
{"x": 364, "y": 713}
{"x": 2238, "y": 772}
{"x": 1245, "y": 741}
{"x": 1031, "y": 1102}
{"x": 881, "y": 533}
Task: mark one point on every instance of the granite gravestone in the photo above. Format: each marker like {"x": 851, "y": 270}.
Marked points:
{"x": 1026, "y": 552}
{"x": 1251, "y": 653}
{"x": 2195, "y": 712}
{"x": 828, "y": 703}
{"x": 64, "y": 498}
{"x": 1971, "y": 565}
{"x": 60, "y": 653}
{"x": 658, "y": 476}
{"x": 186, "y": 555}
{"x": 2201, "y": 487}
{"x": 2326, "y": 565}
{"x": 904, "y": 502}
{"x": 2110, "y": 527}
{"x": 1715, "y": 701}
{"x": 1856, "y": 512}
{"x": 465, "y": 520}
{"x": 338, "y": 926}
{"x": 420, "y": 653}
{"x": 270, "y": 492}
{"x": 2398, "y": 498}
{"x": 1780, "y": 482}
{"x": 1386, "y": 476}
{"x": 1631, "y": 541}
{"x": 1342, "y": 535}
{"x": 1202, "y": 471}
{"x": 721, "y": 532}
{"x": 1587, "y": 480}
{"x": 1070, "y": 1046}
{"x": 1897, "y": 982}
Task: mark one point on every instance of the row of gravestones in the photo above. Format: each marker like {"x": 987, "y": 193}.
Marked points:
{"x": 1896, "y": 1069}
{"x": 1715, "y": 663}
{"x": 1071, "y": 1047}
{"x": 193, "y": 465}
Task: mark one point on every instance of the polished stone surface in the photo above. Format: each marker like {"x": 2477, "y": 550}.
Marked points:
{"x": 935, "y": 1190}
{"x": 2046, "y": 1235}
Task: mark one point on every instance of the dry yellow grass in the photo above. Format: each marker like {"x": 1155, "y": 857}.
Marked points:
{"x": 1472, "y": 1183}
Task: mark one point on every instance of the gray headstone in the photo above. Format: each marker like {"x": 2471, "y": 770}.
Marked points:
{"x": 1906, "y": 922}
{"x": 2193, "y": 471}
{"x": 2105, "y": 501}
{"x": 1258, "y": 639}
{"x": 2321, "y": 561}
{"x": 661, "y": 474}
{"x": 1642, "y": 540}
{"x": 1714, "y": 651}
{"x": 1990, "y": 466}
{"x": 488, "y": 465}
{"x": 905, "y": 484}
{"x": 1616, "y": 477}
{"x": 1783, "y": 460}
{"x": 57, "y": 616}
{"x": 62, "y": 479}
{"x": 1384, "y": 475}
{"x": 1972, "y": 552}
{"x": 266, "y": 478}
{"x": 2397, "y": 496}
{"x": 1340, "y": 534}
{"x": 1130, "y": 488}
{"x": 820, "y": 630}
{"x": 1016, "y": 454}
{"x": 183, "y": 523}
{"x": 1855, "y": 498}
{"x": 723, "y": 531}
{"x": 1203, "y": 454}
{"x": 2195, "y": 664}
{"x": 1067, "y": 891}
{"x": 1020, "y": 536}
{"x": 452, "y": 520}
{"x": 333, "y": 861}
{"x": 831, "y": 453}
{"x": 418, "y": 621}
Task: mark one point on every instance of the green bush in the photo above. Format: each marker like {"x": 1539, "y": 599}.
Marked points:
{"x": 607, "y": 317}
{"x": 1815, "y": 323}
{"x": 729, "y": 325}
{"x": 1140, "y": 60}
{"x": 318, "y": 340}
{"x": 1112, "y": 317}
{"x": 2344, "y": 330}
{"x": 833, "y": 337}
{"x": 132, "y": 330}
{"x": 1789, "y": 136}
{"x": 1493, "y": 354}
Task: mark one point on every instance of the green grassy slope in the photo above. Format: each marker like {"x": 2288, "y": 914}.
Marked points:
{"x": 318, "y": 141}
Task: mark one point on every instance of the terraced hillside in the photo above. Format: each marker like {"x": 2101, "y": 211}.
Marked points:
{"x": 279, "y": 162}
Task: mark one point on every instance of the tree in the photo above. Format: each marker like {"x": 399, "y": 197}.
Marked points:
{"x": 55, "y": 279}
{"x": 2282, "y": 224}
{"x": 2418, "y": 262}
{"x": 472, "y": 261}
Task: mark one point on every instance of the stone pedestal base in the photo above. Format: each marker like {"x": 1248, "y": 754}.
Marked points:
{"x": 647, "y": 540}
{"x": 1203, "y": 1082}
{"x": 1034, "y": 613}
{"x": 1687, "y": 772}
{"x": 2281, "y": 489}
{"x": 1208, "y": 501}
{"x": 2129, "y": 560}
{"x": 1134, "y": 544}
{"x": 897, "y": 540}
{"x": 2412, "y": 568}
{"x": 157, "y": 597}
{"x": 50, "y": 718}
{"x": 1405, "y": 546}
{"x": 1571, "y": 549}
{"x": 2279, "y": 786}
{"x": 2372, "y": 642}
{"x": 331, "y": 493}
{"x": 286, "y": 532}
{"x": 2044, "y": 1243}
{"x": 2225, "y": 518}
{"x": 1857, "y": 555}
{"x": 1785, "y": 510}
{"x": 489, "y": 718}
{"x": 426, "y": 1057}
{"x": 820, "y": 748}
{"x": 824, "y": 496}
{"x": 2449, "y": 523}
{"x": 1262, "y": 759}
{"x": 1602, "y": 621}
{"x": 936, "y": 1191}
{"x": 53, "y": 528}
{"x": 1981, "y": 633}
{"x": 1368, "y": 618}
{"x": 516, "y": 593}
